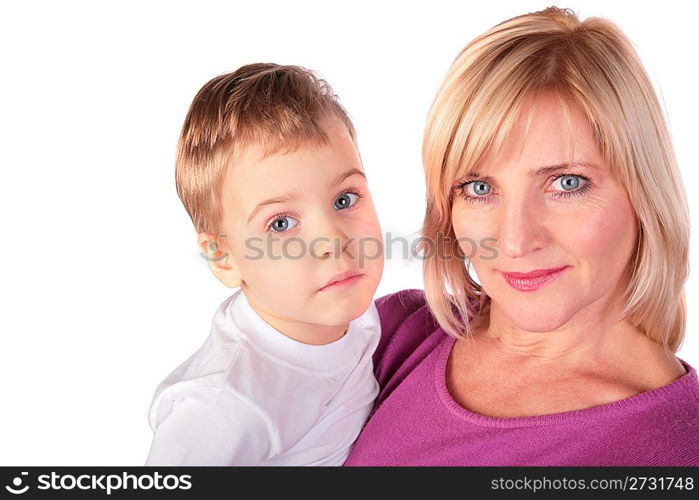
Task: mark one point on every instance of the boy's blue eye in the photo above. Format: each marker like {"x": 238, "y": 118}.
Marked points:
{"x": 346, "y": 200}
{"x": 281, "y": 224}
{"x": 284, "y": 222}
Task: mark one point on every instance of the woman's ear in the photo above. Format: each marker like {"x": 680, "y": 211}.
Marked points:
{"x": 221, "y": 262}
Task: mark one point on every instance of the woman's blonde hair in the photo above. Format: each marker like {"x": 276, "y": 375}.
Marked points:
{"x": 591, "y": 65}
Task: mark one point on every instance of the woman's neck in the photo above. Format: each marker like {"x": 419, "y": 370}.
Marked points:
{"x": 595, "y": 340}
{"x": 593, "y": 332}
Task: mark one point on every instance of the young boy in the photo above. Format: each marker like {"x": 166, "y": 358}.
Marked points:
{"x": 269, "y": 172}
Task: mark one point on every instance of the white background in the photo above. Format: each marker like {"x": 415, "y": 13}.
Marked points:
{"x": 103, "y": 290}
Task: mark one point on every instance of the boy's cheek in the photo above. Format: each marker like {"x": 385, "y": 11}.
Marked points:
{"x": 367, "y": 224}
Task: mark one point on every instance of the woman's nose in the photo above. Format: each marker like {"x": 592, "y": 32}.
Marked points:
{"x": 521, "y": 228}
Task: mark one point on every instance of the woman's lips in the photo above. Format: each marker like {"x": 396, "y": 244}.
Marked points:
{"x": 527, "y": 282}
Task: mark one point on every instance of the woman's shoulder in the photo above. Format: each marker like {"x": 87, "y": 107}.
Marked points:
{"x": 398, "y": 313}
{"x": 408, "y": 299}
{"x": 664, "y": 423}
{"x": 678, "y": 401}
{"x": 408, "y": 328}
{"x": 395, "y": 307}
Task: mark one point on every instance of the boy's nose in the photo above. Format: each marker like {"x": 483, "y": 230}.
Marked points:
{"x": 332, "y": 242}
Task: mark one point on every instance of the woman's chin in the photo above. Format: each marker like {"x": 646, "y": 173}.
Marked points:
{"x": 536, "y": 319}
{"x": 536, "y": 325}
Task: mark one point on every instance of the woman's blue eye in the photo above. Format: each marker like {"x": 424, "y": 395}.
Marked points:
{"x": 568, "y": 182}
{"x": 572, "y": 185}
{"x": 346, "y": 200}
{"x": 281, "y": 224}
{"x": 480, "y": 191}
{"x": 480, "y": 188}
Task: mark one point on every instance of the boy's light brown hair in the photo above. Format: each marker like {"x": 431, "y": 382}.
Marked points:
{"x": 277, "y": 108}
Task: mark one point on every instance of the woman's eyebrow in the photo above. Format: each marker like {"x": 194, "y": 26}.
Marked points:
{"x": 539, "y": 172}
{"x": 561, "y": 166}
{"x": 293, "y": 196}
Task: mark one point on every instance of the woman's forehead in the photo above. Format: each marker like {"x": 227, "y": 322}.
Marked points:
{"x": 547, "y": 132}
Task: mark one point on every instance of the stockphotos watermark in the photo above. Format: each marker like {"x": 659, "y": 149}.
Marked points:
{"x": 444, "y": 247}
{"x": 103, "y": 482}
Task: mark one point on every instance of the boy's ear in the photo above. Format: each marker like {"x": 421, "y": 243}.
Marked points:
{"x": 220, "y": 262}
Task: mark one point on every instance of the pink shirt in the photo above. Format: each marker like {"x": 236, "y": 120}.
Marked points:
{"x": 415, "y": 421}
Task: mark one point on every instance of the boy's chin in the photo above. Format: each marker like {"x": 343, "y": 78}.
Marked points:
{"x": 343, "y": 311}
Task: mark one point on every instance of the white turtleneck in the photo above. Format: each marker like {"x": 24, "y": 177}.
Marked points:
{"x": 252, "y": 396}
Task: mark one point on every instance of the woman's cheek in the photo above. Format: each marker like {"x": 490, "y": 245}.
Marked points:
{"x": 475, "y": 234}
{"x": 606, "y": 236}
{"x": 601, "y": 222}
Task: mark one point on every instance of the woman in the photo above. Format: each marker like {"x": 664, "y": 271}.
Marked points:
{"x": 546, "y": 142}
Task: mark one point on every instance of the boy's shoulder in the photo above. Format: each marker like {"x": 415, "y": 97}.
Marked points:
{"x": 203, "y": 372}
{"x": 228, "y": 368}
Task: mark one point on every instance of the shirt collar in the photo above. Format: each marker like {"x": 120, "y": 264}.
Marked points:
{"x": 362, "y": 333}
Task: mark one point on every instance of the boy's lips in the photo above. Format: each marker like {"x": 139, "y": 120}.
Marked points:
{"x": 341, "y": 277}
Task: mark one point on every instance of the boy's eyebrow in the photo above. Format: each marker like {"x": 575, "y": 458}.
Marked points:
{"x": 349, "y": 173}
{"x": 271, "y": 201}
{"x": 294, "y": 196}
